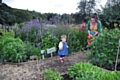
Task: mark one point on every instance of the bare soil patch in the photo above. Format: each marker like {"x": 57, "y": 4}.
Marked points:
{"x": 33, "y": 70}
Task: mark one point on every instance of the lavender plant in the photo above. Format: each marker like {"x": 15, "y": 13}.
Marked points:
{"x": 30, "y": 31}
{"x": 33, "y": 30}
{"x": 36, "y": 32}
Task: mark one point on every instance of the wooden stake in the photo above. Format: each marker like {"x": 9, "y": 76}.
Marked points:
{"x": 117, "y": 56}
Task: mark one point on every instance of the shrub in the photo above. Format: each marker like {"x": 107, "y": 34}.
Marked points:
{"x": 4, "y": 40}
{"x": 14, "y": 51}
{"x": 49, "y": 74}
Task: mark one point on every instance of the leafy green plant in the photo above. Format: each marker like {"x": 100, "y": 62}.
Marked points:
{"x": 79, "y": 38}
{"x": 4, "y": 40}
{"x": 6, "y": 33}
{"x": 14, "y": 51}
{"x": 49, "y": 74}
{"x": 104, "y": 48}
{"x": 31, "y": 50}
{"x": 5, "y": 36}
{"x": 86, "y": 71}
{"x": 48, "y": 41}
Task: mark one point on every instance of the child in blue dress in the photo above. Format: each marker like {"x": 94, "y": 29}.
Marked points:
{"x": 63, "y": 48}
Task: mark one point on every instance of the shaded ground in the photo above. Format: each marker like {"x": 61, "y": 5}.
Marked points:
{"x": 32, "y": 70}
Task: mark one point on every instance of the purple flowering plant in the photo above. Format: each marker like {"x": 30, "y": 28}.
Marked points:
{"x": 36, "y": 31}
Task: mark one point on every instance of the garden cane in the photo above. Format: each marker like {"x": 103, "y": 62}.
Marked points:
{"x": 117, "y": 55}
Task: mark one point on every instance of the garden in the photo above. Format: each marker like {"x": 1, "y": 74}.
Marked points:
{"x": 97, "y": 61}
{"x": 29, "y": 52}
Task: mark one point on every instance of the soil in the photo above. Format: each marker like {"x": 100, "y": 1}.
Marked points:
{"x": 33, "y": 70}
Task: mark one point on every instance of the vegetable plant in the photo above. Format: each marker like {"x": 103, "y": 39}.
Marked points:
{"x": 49, "y": 74}
{"x": 87, "y": 71}
{"x": 103, "y": 50}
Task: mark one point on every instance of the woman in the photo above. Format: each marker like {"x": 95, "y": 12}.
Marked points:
{"x": 94, "y": 25}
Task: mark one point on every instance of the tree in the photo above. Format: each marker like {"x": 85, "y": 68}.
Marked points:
{"x": 111, "y": 13}
{"x": 6, "y": 18}
{"x": 86, "y": 7}
{"x": 90, "y": 6}
{"x": 112, "y": 3}
{"x": 22, "y": 15}
{"x": 82, "y": 7}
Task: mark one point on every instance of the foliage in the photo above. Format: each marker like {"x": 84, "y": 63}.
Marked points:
{"x": 13, "y": 50}
{"x": 36, "y": 32}
{"x": 30, "y": 31}
{"x": 110, "y": 14}
{"x": 85, "y": 8}
{"x": 79, "y": 38}
{"x": 9, "y": 15}
{"x": 6, "y": 17}
{"x": 5, "y": 40}
{"x": 22, "y": 15}
{"x": 31, "y": 50}
{"x": 48, "y": 41}
{"x": 6, "y": 33}
{"x": 76, "y": 36}
{"x": 86, "y": 71}
{"x": 104, "y": 48}
{"x": 49, "y": 74}
{"x": 27, "y": 50}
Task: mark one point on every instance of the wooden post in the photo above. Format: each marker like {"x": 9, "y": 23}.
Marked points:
{"x": 117, "y": 55}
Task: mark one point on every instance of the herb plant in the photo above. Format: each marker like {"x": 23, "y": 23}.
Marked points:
{"x": 49, "y": 74}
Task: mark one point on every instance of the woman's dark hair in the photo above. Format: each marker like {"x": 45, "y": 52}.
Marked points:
{"x": 95, "y": 16}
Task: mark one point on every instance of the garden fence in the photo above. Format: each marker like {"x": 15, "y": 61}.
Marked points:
{"x": 7, "y": 27}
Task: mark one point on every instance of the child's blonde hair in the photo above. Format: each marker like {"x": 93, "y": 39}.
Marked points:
{"x": 63, "y": 36}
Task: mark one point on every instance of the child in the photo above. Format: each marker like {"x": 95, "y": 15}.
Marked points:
{"x": 63, "y": 48}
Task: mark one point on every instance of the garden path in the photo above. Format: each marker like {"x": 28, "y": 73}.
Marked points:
{"x": 32, "y": 70}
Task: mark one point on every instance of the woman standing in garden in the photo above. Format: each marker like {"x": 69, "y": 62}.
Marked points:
{"x": 94, "y": 26}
